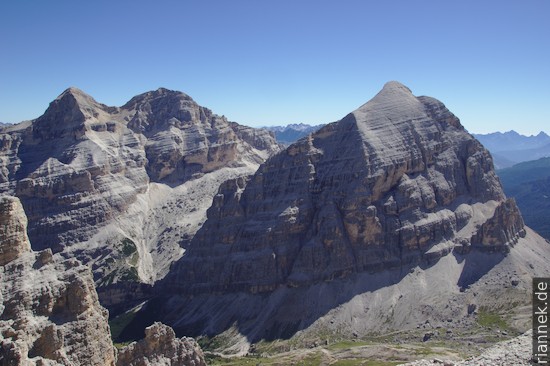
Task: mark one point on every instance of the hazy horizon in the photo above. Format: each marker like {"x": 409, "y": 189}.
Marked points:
{"x": 284, "y": 62}
{"x": 284, "y": 124}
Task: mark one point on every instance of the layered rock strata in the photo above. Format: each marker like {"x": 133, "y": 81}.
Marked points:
{"x": 124, "y": 189}
{"x": 49, "y": 309}
{"x": 397, "y": 182}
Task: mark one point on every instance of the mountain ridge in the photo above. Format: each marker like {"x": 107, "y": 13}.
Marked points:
{"x": 511, "y": 148}
{"x": 123, "y": 188}
{"x": 390, "y": 219}
{"x": 394, "y": 193}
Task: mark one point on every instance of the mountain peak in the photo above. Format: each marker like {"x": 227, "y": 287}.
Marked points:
{"x": 394, "y": 102}
{"x": 76, "y": 95}
{"x": 392, "y": 91}
{"x": 160, "y": 93}
{"x": 394, "y": 85}
{"x": 67, "y": 113}
{"x": 76, "y": 100}
{"x": 74, "y": 91}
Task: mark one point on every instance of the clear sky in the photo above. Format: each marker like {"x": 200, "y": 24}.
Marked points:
{"x": 262, "y": 62}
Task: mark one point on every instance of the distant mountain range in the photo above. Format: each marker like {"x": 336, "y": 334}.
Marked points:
{"x": 292, "y": 132}
{"x": 510, "y": 147}
{"x": 507, "y": 148}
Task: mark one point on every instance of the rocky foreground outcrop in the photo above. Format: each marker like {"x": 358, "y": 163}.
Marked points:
{"x": 124, "y": 189}
{"x": 49, "y": 310}
{"x": 13, "y": 230}
{"x": 161, "y": 347}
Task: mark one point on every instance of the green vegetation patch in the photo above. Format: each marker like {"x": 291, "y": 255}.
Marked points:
{"x": 124, "y": 274}
{"x": 491, "y": 320}
{"x": 128, "y": 247}
{"x": 362, "y": 362}
{"x": 311, "y": 360}
{"x": 118, "y": 324}
{"x": 121, "y": 345}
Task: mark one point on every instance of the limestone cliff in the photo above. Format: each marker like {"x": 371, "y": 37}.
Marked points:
{"x": 379, "y": 222}
{"x": 49, "y": 310}
{"x": 123, "y": 189}
{"x": 397, "y": 182}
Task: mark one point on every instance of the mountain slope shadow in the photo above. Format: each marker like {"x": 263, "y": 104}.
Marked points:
{"x": 361, "y": 303}
{"x": 476, "y": 266}
{"x": 280, "y": 314}
{"x": 268, "y": 316}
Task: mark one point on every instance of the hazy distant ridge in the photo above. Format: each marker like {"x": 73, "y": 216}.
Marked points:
{"x": 509, "y": 148}
{"x": 292, "y": 132}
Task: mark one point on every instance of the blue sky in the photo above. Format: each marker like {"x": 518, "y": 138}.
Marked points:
{"x": 286, "y": 61}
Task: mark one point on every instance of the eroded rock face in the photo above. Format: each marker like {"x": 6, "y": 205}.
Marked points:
{"x": 504, "y": 228}
{"x": 161, "y": 347}
{"x": 123, "y": 189}
{"x": 397, "y": 182}
{"x": 49, "y": 310}
{"x": 13, "y": 230}
{"x": 184, "y": 139}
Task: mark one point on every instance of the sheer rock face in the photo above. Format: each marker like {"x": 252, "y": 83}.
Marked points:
{"x": 123, "y": 189}
{"x": 13, "y": 230}
{"x": 49, "y": 310}
{"x": 397, "y": 182}
{"x": 161, "y": 347}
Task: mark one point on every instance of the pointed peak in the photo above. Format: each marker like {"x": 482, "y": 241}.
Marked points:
{"x": 72, "y": 106}
{"x": 73, "y": 90}
{"x": 391, "y": 92}
{"x": 394, "y": 90}
{"x": 395, "y": 100}
{"x": 76, "y": 98}
{"x": 395, "y": 86}
{"x": 75, "y": 93}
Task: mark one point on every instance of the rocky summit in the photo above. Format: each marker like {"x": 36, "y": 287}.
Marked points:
{"x": 161, "y": 347}
{"x": 124, "y": 189}
{"x": 395, "y": 209}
